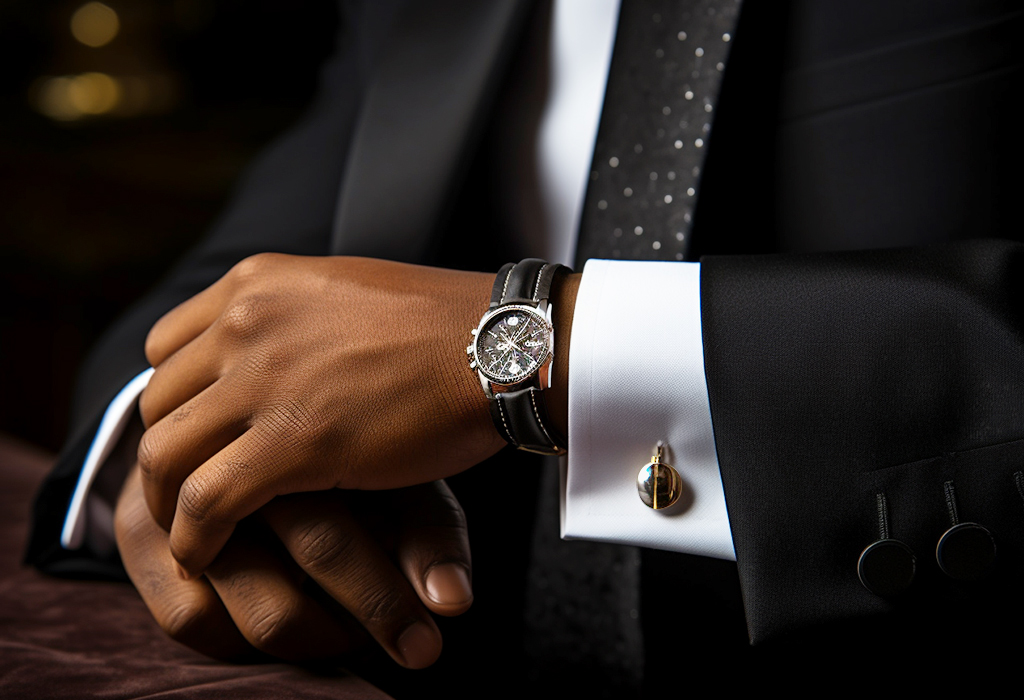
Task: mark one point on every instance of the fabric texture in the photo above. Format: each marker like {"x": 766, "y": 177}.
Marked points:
{"x": 824, "y": 399}
{"x": 78, "y": 639}
{"x": 839, "y": 126}
{"x": 637, "y": 377}
{"x": 655, "y": 128}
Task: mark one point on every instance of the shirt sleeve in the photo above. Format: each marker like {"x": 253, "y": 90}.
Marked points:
{"x": 89, "y": 517}
{"x": 636, "y": 376}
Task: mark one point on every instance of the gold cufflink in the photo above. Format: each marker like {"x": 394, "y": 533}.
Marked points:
{"x": 658, "y": 483}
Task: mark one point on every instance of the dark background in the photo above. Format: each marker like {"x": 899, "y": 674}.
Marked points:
{"x": 93, "y": 209}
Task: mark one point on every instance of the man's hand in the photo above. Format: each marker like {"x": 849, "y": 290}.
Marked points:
{"x": 296, "y": 374}
{"x": 266, "y": 588}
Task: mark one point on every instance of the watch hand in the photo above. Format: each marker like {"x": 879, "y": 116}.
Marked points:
{"x": 521, "y": 332}
{"x": 501, "y": 358}
{"x": 511, "y": 343}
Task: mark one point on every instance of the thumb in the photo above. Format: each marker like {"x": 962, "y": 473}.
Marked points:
{"x": 432, "y": 548}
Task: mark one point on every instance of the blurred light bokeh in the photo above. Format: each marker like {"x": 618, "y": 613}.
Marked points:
{"x": 123, "y": 125}
{"x": 95, "y": 24}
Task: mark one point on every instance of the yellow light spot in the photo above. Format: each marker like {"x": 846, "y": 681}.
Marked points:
{"x": 95, "y": 24}
{"x": 54, "y": 102}
{"x": 94, "y": 93}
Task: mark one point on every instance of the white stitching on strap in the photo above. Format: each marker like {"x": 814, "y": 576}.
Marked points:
{"x": 539, "y": 422}
{"x": 540, "y": 275}
{"x": 501, "y": 412}
{"x": 504, "y": 288}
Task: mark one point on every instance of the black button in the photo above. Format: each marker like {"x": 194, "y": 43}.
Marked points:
{"x": 966, "y": 552}
{"x": 887, "y": 567}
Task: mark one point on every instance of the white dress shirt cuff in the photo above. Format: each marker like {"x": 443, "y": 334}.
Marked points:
{"x": 92, "y": 514}
{"x": 636, "y": 376}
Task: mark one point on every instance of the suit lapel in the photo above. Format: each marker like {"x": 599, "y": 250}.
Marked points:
{"x": 419, "y": 121}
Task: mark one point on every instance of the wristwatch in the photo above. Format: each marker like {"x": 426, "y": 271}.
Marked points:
{"x": 512, "y": 352}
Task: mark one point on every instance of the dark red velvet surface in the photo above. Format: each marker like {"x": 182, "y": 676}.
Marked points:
{"x": 79, "y": 639}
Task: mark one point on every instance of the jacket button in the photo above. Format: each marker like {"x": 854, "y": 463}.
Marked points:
{"x": 966, "y": 552}
{"x": 887, "y": 567}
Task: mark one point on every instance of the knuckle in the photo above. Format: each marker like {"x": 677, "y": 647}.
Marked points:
{"x": 148, "y": 456}
{"x": 254, "y": 267}
{"x": 197, "y": 500}
{"x": 183, "y": 621}
{"x": 320, "y": 546}
{"x": 450, "y": 511}
{"x": 146, "y": 408}
{"x": 432, "y": 505}
{"x": 132, "y": 524}
{"x": 381, "y": 605}
{"x": 269, "y": 625}
{"x": 152, "y": 348}
{"x": 246, "y": 316}
{"x": 294, "y": 419}
{"x": 263, "y": 362}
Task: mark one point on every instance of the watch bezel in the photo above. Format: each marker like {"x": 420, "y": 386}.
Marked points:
{"x": 549, "y": 347}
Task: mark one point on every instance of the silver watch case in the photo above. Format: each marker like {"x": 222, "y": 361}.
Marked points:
{"x": 539, "y": 376}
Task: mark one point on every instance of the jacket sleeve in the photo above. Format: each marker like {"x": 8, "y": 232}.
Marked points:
{"x": 834, "y": 378}
{"x": 285, "y": 203}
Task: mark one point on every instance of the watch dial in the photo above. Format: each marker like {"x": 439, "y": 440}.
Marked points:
{"x": 512, "y": 345}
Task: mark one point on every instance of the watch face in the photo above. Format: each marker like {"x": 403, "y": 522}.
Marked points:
{"x": 513, "y": 344}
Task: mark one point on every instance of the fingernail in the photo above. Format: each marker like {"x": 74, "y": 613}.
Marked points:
{"x": 419, "y": 646}
{"x": 448, "y": 584}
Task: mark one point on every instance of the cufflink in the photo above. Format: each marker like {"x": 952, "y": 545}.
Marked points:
{"x": 658, "y": 483}
{"x": 886, "y": 567}
{"x": 966, "y": 551}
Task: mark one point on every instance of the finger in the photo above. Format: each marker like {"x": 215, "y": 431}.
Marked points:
{"x": 188, "y": 611}
{"x": 432, "y": 547}
{"x": 232, "y": 485}
{"x": 344, "y": 560}
{"x": 182, "y": 441}
{"x": 266, "y": 601}
{"x": 187, "y": 320}
{"x": 180, "y": 377}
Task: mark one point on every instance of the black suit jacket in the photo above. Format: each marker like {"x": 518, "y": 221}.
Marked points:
{"x": 832, "y": 376}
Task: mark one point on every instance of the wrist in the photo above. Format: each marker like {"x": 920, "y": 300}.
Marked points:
{"x": 563, "y": 298}
{"x": 467, "y": 398}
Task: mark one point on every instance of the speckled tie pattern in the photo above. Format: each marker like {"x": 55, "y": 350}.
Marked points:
{"x": 583, "y": 626}
{"x": 663, "y": 86}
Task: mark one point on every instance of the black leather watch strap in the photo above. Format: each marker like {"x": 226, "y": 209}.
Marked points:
{"x": 525, "y": 282}
{"x": 520, "y": 414}
{"x": 522, "y": 418}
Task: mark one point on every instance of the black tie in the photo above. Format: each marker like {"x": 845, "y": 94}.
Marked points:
{"x": 663, "y": 86}
{"x": 583, "y": 607}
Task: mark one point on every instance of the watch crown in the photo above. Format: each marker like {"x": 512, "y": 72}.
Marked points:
{"x": 469, "y": 349}
{"x": 472, "y": 365}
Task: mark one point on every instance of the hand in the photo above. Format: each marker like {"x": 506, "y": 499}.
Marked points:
{"x": 299, "y": 374}
{"x": 258, "y": 593}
